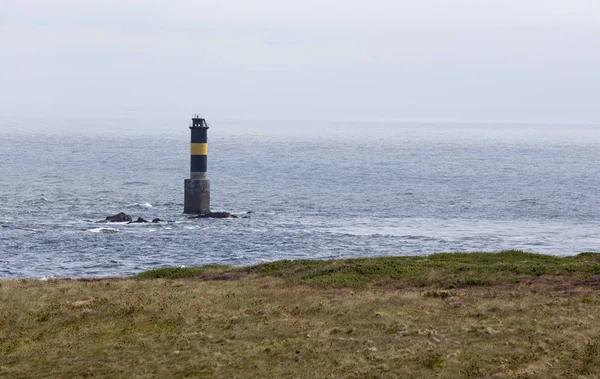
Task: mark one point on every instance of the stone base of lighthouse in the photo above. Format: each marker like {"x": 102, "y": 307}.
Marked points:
{"x": 197, "y": 196}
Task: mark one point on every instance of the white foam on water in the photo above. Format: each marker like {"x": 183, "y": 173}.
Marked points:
{"x": 104, "y": 230}
{"x": 141, "y": 205}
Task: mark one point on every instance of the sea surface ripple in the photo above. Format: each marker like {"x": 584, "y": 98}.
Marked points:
{"x": 314, "y": 191}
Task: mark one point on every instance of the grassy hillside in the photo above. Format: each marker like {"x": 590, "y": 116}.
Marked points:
{"x": 507, "y": 315}
{"x": 450, "y": 270}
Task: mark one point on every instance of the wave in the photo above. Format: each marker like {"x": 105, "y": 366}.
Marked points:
{"x": 37, "y": 201}
{"x": 141, "y": 205}
{"x": 104, "y": 230}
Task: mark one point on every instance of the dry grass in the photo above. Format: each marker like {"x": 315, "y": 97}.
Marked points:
{"x": 255, "y": 326}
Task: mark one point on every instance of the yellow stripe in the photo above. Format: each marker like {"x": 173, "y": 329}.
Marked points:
{"x": 199, "y": 149}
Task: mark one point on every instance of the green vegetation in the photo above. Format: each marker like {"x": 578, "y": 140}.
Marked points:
{"x": 506, "y": 315}
{"x": 449, "y": 270}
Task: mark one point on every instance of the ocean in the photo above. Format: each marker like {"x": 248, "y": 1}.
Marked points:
{"x": 303, "y": 190}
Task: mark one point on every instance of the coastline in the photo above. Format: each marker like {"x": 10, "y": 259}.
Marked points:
{"x": 509, "y": 314}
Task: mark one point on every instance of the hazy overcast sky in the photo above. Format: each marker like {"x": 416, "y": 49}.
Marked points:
{"x": 463, "y": 60}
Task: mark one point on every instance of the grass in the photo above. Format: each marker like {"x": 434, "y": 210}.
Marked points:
{"x": 450, "y": 270}
{"x": 506, "y": 315}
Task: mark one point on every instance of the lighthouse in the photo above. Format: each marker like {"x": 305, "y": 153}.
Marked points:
{"x": 197, "y": 187}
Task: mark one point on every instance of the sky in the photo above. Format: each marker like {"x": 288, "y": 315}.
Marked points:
{"x": 384, "y": 60}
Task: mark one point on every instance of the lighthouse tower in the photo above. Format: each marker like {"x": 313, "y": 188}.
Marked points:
{"x": 197, "y": 187}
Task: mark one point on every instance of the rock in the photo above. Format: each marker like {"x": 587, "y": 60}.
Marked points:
{"x": 138, "y": 221}
{"x": 216, "y": 215}
{"x": 119, "y": 217}
{"x": 156, "y": 220}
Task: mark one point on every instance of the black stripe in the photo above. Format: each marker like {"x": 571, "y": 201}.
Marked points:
{"x": 199, "y": 163}
{"x": 199, "y": 135}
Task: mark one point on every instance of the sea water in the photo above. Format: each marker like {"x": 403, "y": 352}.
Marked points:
{"x": 303, "y": 190}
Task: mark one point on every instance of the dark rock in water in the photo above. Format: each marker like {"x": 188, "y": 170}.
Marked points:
{"x": 216, "y": 215}
{"x": 156, "y": 220}
{"x": 138, "y": 221}
{"x": 249, "y": 212}
{"x": 119, "y": 217}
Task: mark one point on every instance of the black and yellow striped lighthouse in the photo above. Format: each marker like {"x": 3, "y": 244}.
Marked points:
{"x": 197, "y": 187}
